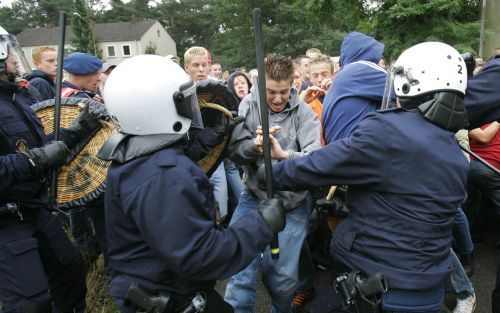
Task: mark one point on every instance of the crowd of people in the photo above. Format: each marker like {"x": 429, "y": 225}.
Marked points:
{"x": 388, "y": 136}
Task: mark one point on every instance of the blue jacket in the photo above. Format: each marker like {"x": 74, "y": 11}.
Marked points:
{"x": 20, "y": 130}
{"x": 43, "y": 83}
{"x": 77, "y": 93}
{"x": 358, "y": 87}
{"x": 406, "y": 179}
{"x": 161, "y": 231}
{"x": 482, "y": 97}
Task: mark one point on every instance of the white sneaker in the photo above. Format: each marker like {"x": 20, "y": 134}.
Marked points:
{"x": 467, "y": 305}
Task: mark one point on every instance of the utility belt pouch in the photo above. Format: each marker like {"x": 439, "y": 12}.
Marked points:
{"x": 361, "y": 293}
{"x": 141, "y": 301}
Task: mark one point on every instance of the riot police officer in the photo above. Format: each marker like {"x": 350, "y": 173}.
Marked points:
{"x": 406, "y": 177}
{"x": 36, "y": 255}
{"x": 160, "y": 209}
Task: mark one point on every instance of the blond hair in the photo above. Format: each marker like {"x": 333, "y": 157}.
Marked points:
{"x": 188, "y": 55}
{"x": 37, "y": 53}
{"x": 320, "y": 59}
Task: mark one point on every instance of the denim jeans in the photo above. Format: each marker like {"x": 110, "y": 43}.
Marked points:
{"x": 461, "y": 233}
{"x": 218, "y": 180}
{"x": 280, "y": 276}
{"x": 459, "y": 282}
{"x": 234, "y": 184}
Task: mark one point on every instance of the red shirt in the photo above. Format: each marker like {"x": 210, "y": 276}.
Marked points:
{"x": 490, "y": 151}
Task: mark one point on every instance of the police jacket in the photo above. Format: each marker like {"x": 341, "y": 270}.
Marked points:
{"x": 482, "y": 96}
{"x": 406, "y": 178}
{"x": 43, "y": 83}
{"x": 21, "y": 130}
{"x": 161, "y": 230}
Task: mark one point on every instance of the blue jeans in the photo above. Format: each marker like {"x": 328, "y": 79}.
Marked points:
{"x": 218, "y": 180}
{"x": 280, "y": 276}
{"x": 459, "y": 282}
{"x": 461, "y": 233}
{"x": 234, "y": 184}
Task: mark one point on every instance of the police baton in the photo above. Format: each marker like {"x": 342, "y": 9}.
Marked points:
{"x": 57, "y": 108}
{"x": 261, "y": 82}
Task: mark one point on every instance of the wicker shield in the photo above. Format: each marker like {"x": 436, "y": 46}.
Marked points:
{"x": 84, "y": 178}
{"x": 210, "y": 110}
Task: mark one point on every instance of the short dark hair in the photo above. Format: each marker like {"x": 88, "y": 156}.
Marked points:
{"x": 279, "y": 67}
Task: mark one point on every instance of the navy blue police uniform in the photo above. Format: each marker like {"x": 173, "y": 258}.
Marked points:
{"x": 406, "y": 178}
{"x": 162, "y": 232}
{"x": 36, "y": 254}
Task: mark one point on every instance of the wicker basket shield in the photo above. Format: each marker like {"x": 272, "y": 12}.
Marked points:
{"x": 208, "y": 111}
{"x": 84, "y": 178}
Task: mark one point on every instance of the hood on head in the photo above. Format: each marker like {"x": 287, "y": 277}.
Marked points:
{"x": 230, "y": 82}
{"x": 360, "y": 47}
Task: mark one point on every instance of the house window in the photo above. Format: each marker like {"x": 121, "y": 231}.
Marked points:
{"x": 126, "y": 50}
{"x": 111, "y": 51}
{"x": 158, "y": 33}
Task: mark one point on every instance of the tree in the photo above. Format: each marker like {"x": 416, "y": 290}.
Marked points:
{"x": 83, "y": 39}
{"x": 404, "y": 23}
{"x": 189, "y": 22}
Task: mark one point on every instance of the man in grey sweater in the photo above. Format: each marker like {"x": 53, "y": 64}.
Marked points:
{"x": 296, "y": 127}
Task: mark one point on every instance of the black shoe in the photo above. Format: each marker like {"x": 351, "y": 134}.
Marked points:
{"x": 467, "y": 261}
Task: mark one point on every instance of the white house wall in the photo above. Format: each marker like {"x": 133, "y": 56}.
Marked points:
{"x": 119, "y": 56}
{"x": 164, "y": 43}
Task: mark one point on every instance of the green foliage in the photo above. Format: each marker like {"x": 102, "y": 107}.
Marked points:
{"x": 290, "y": 27}
{"x": 401, "y": 24}
{"x": 83, "y": 39}
{"x": 188, "y": 22}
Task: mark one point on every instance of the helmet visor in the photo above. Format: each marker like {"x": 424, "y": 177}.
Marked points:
{"x": 389, "y": 98}
{"x": 188, "y": 107}
{"x": 11, "y": 53}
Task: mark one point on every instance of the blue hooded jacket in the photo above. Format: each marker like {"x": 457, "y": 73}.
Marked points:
{"x": 357, "y": 89}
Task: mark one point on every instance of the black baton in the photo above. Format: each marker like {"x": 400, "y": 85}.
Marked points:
{"x": 259, "y": 45}
{"x": 57, "y": 108}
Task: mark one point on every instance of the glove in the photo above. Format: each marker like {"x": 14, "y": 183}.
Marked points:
{"x": 50, "y": 156}
{"x": 261, "y": 177}
{"x": 226, "y": 125}
{"x": 273, "y": 212}
{"x": 220, "y": 93}
{"x": 88, "y": 120}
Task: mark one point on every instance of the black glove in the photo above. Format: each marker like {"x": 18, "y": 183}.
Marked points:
{"x": 219, "y": 93}
{"x": 50, "y": 156}
{"x": 273, "y": 211}
{"x": 225, "y": 125}
{"x": 87, "y": 121}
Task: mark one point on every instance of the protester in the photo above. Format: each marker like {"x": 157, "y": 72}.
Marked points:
{"x": 239, "y": 84}
{"x": 162, "y": 231}
{"x": 298, "y": 131}
{"x": 197, "y": 65}
{"x": 216, "y": 70}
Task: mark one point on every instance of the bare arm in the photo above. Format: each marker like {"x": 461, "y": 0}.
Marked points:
{"x": 484, "y": 136}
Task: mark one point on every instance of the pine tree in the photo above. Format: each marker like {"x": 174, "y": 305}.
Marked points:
{"x": 83, "y": 39}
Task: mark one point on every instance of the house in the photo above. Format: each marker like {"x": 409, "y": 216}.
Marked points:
{"x": 118, "y": 41}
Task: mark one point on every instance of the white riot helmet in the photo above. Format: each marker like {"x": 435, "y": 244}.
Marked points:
{"x": 12, "y": 57}
{"x": 149, "y": 94}
{"x": 427, "y": 68}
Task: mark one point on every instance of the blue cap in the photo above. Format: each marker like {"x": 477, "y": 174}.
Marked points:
{"x": 79, "y": 63}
